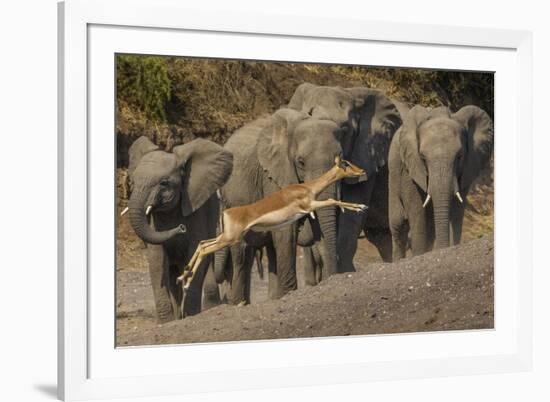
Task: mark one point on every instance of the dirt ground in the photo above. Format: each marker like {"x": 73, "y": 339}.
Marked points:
{"x": 450, "y": 289}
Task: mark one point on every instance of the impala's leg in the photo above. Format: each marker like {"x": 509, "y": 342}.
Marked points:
{"x": 204, "y": 250}
{"x": 344, "y": 205}
{"x": 202, "y": 243}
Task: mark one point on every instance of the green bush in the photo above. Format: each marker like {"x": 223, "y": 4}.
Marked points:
{"x": 143, "y": 84}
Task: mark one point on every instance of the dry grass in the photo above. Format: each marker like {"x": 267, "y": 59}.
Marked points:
{"x": 212, "y": 98}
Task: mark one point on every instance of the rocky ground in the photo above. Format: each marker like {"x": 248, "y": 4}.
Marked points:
{"x": 450, "y": 289}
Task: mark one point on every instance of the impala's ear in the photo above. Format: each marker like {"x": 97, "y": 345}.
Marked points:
{"x": 205, "y": 167}
{"x": 140, "y": 147}
{"x": 480, "y": 138}
{"x": 274, "y": 147}
{"x": 408, "y": 146}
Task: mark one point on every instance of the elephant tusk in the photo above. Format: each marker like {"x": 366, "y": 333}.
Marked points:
{"x": 459, "y": 197}
{"x": 312, "y": 214}
{"x": 148, "y": 210}
{"x": 426, "y": 201}
{"x": 124, "y": 211}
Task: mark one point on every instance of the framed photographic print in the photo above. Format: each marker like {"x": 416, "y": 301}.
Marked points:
{"x": 247, "y": 202}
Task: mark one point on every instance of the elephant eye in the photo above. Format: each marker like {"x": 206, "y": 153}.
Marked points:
{"x": 164, "y": 182}
{"x": 300, "y": 162}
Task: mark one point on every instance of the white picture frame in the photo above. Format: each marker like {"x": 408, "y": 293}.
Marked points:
{"x": 90, "y": 32}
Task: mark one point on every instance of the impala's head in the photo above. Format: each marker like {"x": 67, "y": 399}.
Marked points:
{"x": 348, "y": 169}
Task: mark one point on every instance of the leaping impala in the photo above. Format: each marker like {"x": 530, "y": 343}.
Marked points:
{"x": 274, "y": 211}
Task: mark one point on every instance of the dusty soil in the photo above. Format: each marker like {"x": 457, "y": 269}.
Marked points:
{"x": 379, "y": 298}
{"x": 450, "y": 289}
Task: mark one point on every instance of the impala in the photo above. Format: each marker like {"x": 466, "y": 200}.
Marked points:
{"x": 281, "y": 208}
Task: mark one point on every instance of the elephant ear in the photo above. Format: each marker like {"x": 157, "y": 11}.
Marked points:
{"x": 274, "y": 147}
{"x": 298, "y": 99}
{"x": 140, "y": 147}
{"x": 480, "y": 138}
{"x": 377, "y": 120}
{"x": 408, "y": 146}
{"x": 205, "y": 167}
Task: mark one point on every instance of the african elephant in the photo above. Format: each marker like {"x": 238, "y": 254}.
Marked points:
{"x": 270, "y": 153}
{"x": 435, "y": 155}
{"x": 368, "y": 119}
{"x": 173, "y": 192}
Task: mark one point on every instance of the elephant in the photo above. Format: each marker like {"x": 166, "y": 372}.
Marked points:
{"x": 435, "y": 156}
{"x": 270, "y": 153}
{"x": 369, "y": 120}
{"x": 173, "y": 205}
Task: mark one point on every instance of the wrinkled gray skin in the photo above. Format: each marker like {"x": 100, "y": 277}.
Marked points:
{"x": 271, "y": 153}
{"x": 438, "y": 153}
{"x": 368, "y": 120}
{"x": 180, "y": 187}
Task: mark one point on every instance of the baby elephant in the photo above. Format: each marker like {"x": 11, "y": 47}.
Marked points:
{"x": 434, "y": 158}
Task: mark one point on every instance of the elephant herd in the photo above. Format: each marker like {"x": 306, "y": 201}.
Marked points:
{"x": 420, "y": 164}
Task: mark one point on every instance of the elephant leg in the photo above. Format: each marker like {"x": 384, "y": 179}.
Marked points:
{"x": 310, "y": 267}
{"x": 284, "y": 242}
{"x": 319, "y": 268}
{"x": 210, "y": 290}
{"x": 399, "y": 229}
{"x": 165, "y": 305}
{"x": 381, "y": 238}
{"x": 349, "y": 228}
{"x": 248, "y": 264}
{"x": 193, "y": 293}
{"x": 456, "y": 218}
{"x": 420, "y": 232}
{"x": 239, "y": 282}
{"x": 273, "y": 288}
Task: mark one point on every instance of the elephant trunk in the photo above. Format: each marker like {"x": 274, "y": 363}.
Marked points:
{"x": 220, "y": 262}
{"x": 441, "y": 190}
{"x": 327, "y": 223}
{"x": 138, "y": 220}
